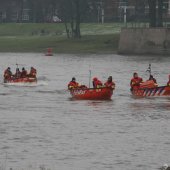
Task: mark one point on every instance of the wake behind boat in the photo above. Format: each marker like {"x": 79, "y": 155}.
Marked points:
{"x": 21, "y": 80}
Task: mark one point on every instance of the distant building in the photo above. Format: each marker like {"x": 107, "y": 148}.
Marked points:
{"x": 136, "y": 10}
{"x": 99, "y": 10}
{"x": 168, "y": 4}
{"x": 25, "y": 17}
{"x": 9, "y": 11}
{"x": 14, "y": 11}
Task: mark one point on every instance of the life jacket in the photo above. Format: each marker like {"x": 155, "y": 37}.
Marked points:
{"x": 109, "y": 84}
{"x": 73, "y": 85}
{"x": 97, "y": 84}
{"x": 135, "y": 82}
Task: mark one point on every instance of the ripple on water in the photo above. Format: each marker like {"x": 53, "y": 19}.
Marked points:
{"x": 40, "y": 126}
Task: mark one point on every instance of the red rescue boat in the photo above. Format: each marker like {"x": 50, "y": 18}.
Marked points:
{"x": 103, "y": 93}
{"x": 156, "y": 91}
{"x": 21, "y": 80}
{"x": 149, "y": 88}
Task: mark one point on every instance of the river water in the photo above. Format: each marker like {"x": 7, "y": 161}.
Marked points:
{"x": 42, "y": 128}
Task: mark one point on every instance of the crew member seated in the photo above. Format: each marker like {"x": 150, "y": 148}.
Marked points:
{"x": 154, "y": 80}
{"x": 23, "y": 73}
{"x": 73, "y": 84}
{"x": 7, "y": 73}
{"x": 17, "y": 73}
{"x": 110, "y": 83}
{"x": 135, "y": 81}
{"x": 33, "y": 72}
{"x": 97, "y": 83}
{"x": 168, "y": 83}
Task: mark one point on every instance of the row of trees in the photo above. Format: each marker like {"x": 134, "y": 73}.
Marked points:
{"x": 73, "y": 12}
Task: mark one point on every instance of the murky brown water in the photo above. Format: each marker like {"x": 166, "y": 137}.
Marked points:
{"x": 40, "y": 127}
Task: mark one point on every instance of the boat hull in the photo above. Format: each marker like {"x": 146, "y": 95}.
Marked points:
{"x": 92, "y": 93}
{"x": 147, "y": 92}
{"x": 21, "y": 80}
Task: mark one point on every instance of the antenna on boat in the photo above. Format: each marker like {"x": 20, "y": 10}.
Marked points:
{"x": 149, "y": 69}
{"x": 89, "y": 77}
{"x": 17, "y": 65}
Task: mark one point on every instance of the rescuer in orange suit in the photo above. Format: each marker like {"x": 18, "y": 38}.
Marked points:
{"x": 97, "y": 83}
{"x": 152, "y": 78}
{"x": 7, "y": 73}
{"x": 33, "y": 72}
{"x": 18, "y": 73}
{"x": 168, "y": 83}
{"x": 23, "y": 73}
{"x": 73, "y": 84}
{"x": 110, "y": 83}
{"x": 135, "y": 81}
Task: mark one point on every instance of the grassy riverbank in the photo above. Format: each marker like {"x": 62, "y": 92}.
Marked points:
{"x": 96, "y": 38}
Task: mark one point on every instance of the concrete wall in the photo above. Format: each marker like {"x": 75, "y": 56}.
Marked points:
{"x": 145, "y": 41}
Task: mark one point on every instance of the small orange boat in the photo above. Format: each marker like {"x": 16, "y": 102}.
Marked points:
{"x": 21, "y": 80}
{"x": 156, "y": 91}
{"x": 103, "y": 93}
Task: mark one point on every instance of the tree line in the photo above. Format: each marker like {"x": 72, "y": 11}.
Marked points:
{"x": 73, "y": 12}
{"x": 156, "y": 12}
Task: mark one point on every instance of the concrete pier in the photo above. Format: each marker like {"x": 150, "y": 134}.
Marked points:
{"x": 145, "y": 41}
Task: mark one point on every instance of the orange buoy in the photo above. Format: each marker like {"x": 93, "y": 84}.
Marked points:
{"x": 49, "y": 52}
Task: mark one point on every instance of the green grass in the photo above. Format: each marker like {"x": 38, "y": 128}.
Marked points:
{"x": 88, "y": 44}
{"x": 96, "y": 38}
{"x": 29, "y": 29}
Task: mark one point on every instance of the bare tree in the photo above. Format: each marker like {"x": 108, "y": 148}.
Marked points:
{"x": 152, "y": 12}
{"x": 160, "y": 13}
{"x": 72, "y": 13}
{"x": 156, "y": 17}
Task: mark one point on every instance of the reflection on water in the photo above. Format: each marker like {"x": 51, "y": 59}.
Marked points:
{"x": 41, "y": 127}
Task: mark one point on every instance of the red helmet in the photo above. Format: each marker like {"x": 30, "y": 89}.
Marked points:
{"x": 95, "y": 79}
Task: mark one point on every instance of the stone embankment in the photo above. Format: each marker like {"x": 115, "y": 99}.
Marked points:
{"x": 145, "y": 41}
